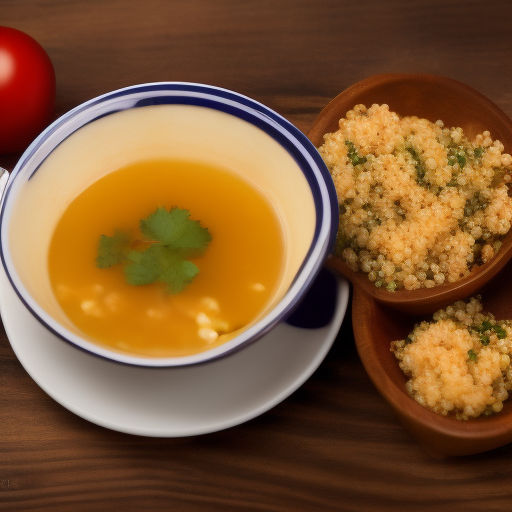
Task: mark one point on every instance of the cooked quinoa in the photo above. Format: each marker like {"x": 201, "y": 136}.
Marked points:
{"x": 420, "y": 204}
{"x": 458, "y": 364}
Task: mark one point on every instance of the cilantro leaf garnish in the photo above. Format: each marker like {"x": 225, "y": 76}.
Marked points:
{"x": 175, "y": 229}
{"x": 170, "y": 237}
{"x": 112, "y": 249}
{"x": 160, "y": 263}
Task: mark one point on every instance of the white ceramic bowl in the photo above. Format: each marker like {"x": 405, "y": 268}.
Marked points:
{"x": 170, "y": 120}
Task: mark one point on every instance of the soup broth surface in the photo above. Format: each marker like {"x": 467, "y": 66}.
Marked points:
{"x": 238, "y": 272}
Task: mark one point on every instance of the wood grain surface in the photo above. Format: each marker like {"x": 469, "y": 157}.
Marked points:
{"x": 334, "y": 444}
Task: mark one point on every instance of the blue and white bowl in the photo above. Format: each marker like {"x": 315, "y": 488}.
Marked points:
{"x": 170, "y": 120}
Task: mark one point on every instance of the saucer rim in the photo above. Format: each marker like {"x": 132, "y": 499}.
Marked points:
{"x": 9, "y": 301}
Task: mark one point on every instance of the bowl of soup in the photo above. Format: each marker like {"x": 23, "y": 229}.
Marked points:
{"x": 166, "y": 224}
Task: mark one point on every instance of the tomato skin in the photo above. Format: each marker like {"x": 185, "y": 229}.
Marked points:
{"x": 27, "y": 89}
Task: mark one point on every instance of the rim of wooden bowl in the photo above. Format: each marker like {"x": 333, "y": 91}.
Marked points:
{"x": 432, "y": 97}
{"x": 439, "y": 435}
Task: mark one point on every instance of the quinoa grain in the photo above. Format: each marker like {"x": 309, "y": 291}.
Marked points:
{"x": 413, "y": 194}
{"x": 458, "y": 364}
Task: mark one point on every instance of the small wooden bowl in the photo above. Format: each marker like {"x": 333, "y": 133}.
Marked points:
{"x": 433, "y": 98}
{"x": 376, "y": 326}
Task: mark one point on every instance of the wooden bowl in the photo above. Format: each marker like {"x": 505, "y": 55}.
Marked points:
{"x": 433, "y": 98}
{"x": 377, "y": 325}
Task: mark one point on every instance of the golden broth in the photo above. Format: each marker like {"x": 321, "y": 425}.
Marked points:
{"x": 238, "y": 272}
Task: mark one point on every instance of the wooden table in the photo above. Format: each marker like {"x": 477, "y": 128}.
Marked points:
{"x": 334, "y": 444}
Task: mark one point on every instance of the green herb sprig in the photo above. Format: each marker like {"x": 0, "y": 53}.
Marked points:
{"x": 472, "y": 355}
{"x": 353, "y": 155}
{"x": 419, "y": 166}
{"x": 170, "y": 239}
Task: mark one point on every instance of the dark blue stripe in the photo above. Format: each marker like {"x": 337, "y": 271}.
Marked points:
{"x": 229, "y": 109}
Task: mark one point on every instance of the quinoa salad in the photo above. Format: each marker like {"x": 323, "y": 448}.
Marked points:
{"x": 458, "y": 364}
{"x": 420, "y": 203}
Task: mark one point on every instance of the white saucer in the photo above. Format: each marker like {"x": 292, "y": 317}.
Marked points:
{"x": 171, "y": 402}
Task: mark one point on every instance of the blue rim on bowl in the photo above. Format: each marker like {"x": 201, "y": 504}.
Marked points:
{"x": 181, "y": 93}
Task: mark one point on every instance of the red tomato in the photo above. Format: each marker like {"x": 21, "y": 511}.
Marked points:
{"x": 27, "y": 89}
